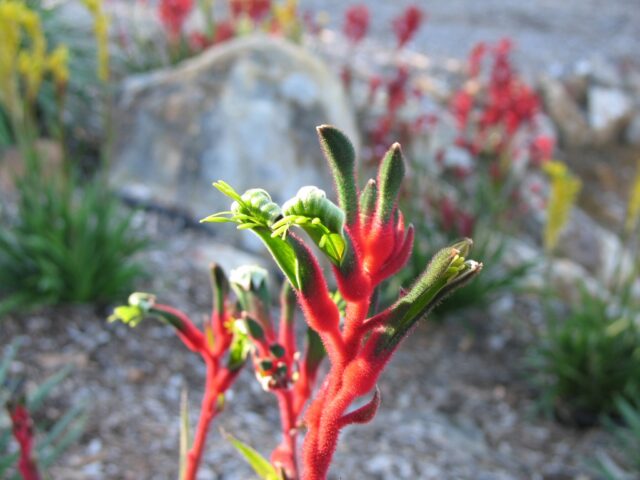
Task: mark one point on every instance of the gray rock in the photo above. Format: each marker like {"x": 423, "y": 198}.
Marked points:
{"x": 609, "y": 110}
{"x": 244, "y": 112}
{"x": 565, "y": 112}
{"x": 632, "y": 133}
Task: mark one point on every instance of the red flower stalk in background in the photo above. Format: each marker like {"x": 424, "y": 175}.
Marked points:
{"x": 407, "y": 24}
{"x": 475, "y": 59}
{"x": 366, "y": 240}
{"x": 356, "y": 23}
{"x": 218, "y": 341}
{"x": 22, "y": 427}
{"x": 256, "y": 10}
{"x": 173, "y": 14}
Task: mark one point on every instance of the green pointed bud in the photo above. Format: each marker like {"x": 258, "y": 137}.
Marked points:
{"x": 288, "y": 301}
{"x": 341, "y": 156}
{"x": 368, "y": 198}
{"x": 139, "y": 306}
{"x": 446, "y": 272}
{"x": 219, "y": 287}
{"x": 249, "y": 282}
{"x": 254, "y": 329}
{"x": 277, "y": 350}
{"x": 390, "y": 178}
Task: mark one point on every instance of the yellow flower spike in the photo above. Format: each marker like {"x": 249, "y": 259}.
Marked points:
{"x": 564, "y": 192}
{"x": 101, "y": 32}
{"x": 633, "y": 207}
{"x": 58, "y": 65}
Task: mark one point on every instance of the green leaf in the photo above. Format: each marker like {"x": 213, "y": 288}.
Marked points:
{"x": 282, "y": 252}
{"x": 340, "y": 154}
{"x": 260, "y": 465}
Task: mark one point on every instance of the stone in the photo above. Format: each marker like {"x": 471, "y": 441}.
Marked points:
{"x": 565, "y": 112}
{"x": 244, "y": 111}
{"x": 632, "y": 133}
{"x": 609, "y": 111}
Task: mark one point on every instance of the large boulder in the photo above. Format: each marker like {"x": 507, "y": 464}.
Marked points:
{"x": 244, "y": 111}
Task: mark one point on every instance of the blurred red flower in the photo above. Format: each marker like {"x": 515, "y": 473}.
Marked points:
{"x": 356, "y": 23}
{"x": 255, "y": 9}
{"x": 173, "y": 14}
{"x": 407, "y": 24}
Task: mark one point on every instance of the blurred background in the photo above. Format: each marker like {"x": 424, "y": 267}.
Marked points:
{"x": 520, "y": 122}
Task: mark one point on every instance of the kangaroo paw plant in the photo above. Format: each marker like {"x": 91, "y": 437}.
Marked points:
{"x": 222, "y": 345}
{"x": 365, "y": 240}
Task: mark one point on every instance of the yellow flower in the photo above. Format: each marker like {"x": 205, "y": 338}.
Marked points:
{"x": 102, "y": 39}
{"x": 58, "y": 65}
{"x": 633, "y": 208}
{"x": 564, "y": 192}
{"x": 286, "y": 14}
{"x": 101, "y": 31}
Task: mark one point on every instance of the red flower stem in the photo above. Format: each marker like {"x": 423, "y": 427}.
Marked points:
{"x": 207, "y": 414}
{"x": 289, "y": 432}
{"x": 355, "y": 317}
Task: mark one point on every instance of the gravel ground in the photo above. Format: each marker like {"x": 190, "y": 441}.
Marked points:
{"x": 546, "y": 32}
{"x": 456, "y": 402}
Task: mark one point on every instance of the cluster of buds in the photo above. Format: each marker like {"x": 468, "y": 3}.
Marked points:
{"x": 222, "y": 347}
{"x": 366, "y": 240}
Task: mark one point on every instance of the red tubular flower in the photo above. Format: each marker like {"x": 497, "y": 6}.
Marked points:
{"x": 22, "y": 427}
{"x": 461, "y": 107}
{"x": 407, "y": 24}
{"x": 256, "y": 10}
{"x": 223, "y": 31}
{"x": 475, "y": 59}
{"x": 397, "y": 89}
{"x": 542, "y": 150}
{"x": 173, "y": 14}
{"x": 356, "y": 23}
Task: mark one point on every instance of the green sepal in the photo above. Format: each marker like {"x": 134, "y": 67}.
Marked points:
{"x": 368, "y": 198}
{"x": 277, "y": 350}
{"x": 249, "y": 282}
{"x": 240, "y": 346}
{"x": 260, "y": 465}
{"x": 340, "y": 154}
{"x": 255, "y": 330}
{"x": 390, "y": 178}
{"x": 219, "y": 287}
{"x": 446, "y": 272}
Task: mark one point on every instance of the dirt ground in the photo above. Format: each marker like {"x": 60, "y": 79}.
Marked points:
{"x": 456, "y": 401}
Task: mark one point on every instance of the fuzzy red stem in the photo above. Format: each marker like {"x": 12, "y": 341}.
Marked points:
{"x": 286, "y": 452}
{"x": 207, "y": 413}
